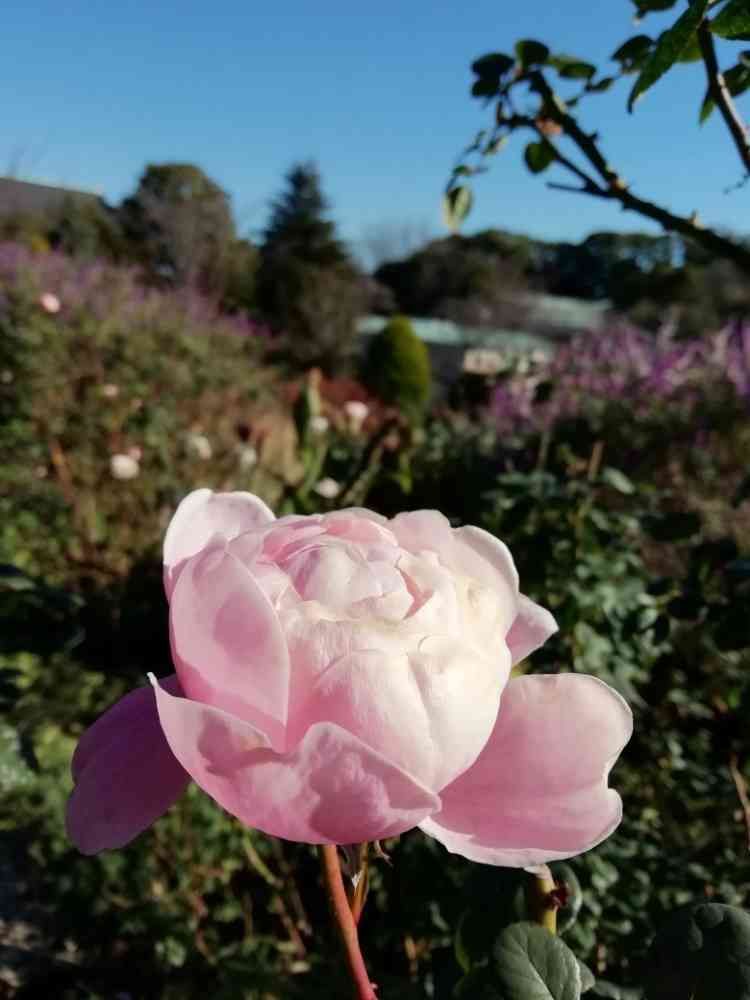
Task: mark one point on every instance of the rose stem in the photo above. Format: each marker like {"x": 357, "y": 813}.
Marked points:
{"x": 541, "y": 900}
{"x": 344, "y": 920}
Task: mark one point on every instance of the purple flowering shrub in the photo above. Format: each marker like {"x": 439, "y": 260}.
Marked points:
{"x": 653, "y": 376}
{"x": 672, "y": 412}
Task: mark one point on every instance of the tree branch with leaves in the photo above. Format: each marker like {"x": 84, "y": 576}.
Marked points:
{"x": 553, "y": 117}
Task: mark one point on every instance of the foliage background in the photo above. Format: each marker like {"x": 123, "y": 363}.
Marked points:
{"x": 630, "y": 524}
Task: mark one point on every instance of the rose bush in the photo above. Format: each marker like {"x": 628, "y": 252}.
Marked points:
{"x": 343, "y": 678}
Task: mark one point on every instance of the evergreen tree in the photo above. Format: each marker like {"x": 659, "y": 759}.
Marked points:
{"x": 308, "y": 287}
{"x": 298, "y": 226}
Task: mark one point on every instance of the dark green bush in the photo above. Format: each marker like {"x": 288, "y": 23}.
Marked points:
{"x": 397, "y": 367}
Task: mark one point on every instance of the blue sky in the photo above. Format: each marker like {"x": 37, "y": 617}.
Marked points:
{"x": 378, "y": 94}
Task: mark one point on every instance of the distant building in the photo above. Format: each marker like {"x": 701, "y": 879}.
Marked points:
{"x": 29, "y": 198}
{"x": 560, "y": 316}
{"x": 455, "y": 349}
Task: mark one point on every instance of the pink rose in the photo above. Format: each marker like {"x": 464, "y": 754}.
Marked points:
{"x": 343, "y": 678}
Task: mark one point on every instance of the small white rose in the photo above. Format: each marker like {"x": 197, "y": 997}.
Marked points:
{"x": 248, "y": 456}
{"x": 319, "y": 424}
{"x": 124, "y": 466}
{"x": 327, "y": 488}
{"x": 199, "y": 446}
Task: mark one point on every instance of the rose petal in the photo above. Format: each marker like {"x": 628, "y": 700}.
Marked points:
{"x": 359, "y": 525}
{"x": 470, "y": 551}
{"x": 337, "y": 575}
{"x": 538, "y": 791}
{"x": 330, "y": 789}
{"x": 315, "y": 642}
{"x": 485, "y": 558}
{"x": 227, "y": 643}
{"x": 531, "y": 628}
{"x": 423, "y": 531}
{"x": 429, "y": 712}
{"x": 201, "y": 516}
{"x": 125, "y": 775}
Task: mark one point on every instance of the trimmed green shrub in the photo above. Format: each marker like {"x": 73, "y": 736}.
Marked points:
{"x": 397, "y": 367}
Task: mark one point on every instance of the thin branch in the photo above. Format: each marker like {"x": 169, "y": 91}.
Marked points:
{"x": 721, "y": 96}
{"x": 575, "y": 189}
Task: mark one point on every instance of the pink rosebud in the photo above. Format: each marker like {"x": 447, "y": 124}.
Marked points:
{"x": 49, "y": 302}
{"x": 342, "y": 678}
{"x": 356, "y": 413}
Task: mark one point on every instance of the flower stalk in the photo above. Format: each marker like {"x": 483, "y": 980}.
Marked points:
{"x": 543, "y": 900}
{"x": 345, "y": 922}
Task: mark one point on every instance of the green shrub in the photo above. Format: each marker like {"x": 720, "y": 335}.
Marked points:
{"x": 397, "y": 367}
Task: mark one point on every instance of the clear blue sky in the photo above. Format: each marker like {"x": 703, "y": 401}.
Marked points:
{"x": 377, "y": 93}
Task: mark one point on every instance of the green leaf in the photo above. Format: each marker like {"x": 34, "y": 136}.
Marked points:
{"x": 599, "y": 86}
{"x": 693, "y": 51}
{"x": 457, "y": 205}
{"x": 531, "y": 53}
{"x": 572, "y": 68}
{"x": 578, "y": 71}
{"x": 13, "y": 578}
{"x": 737, "y": 80}
{"x": 646, "y": 6}
{"x": 587, "y": 977}
{"x": 15, "y": 773}
{"x": 604, "y": 990}
{"x": 668, "y": 50}
{"x": 493, "y": 64}
{"x": 538, "y": 156}
{"x": 532, "y": 964}
{"x": 617, "y": 480}
{"x": 733, "y": 21}
{"x": 485, "y": 86}
{"x": 632, "y": 54}
{"x": 701, "y": 954}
